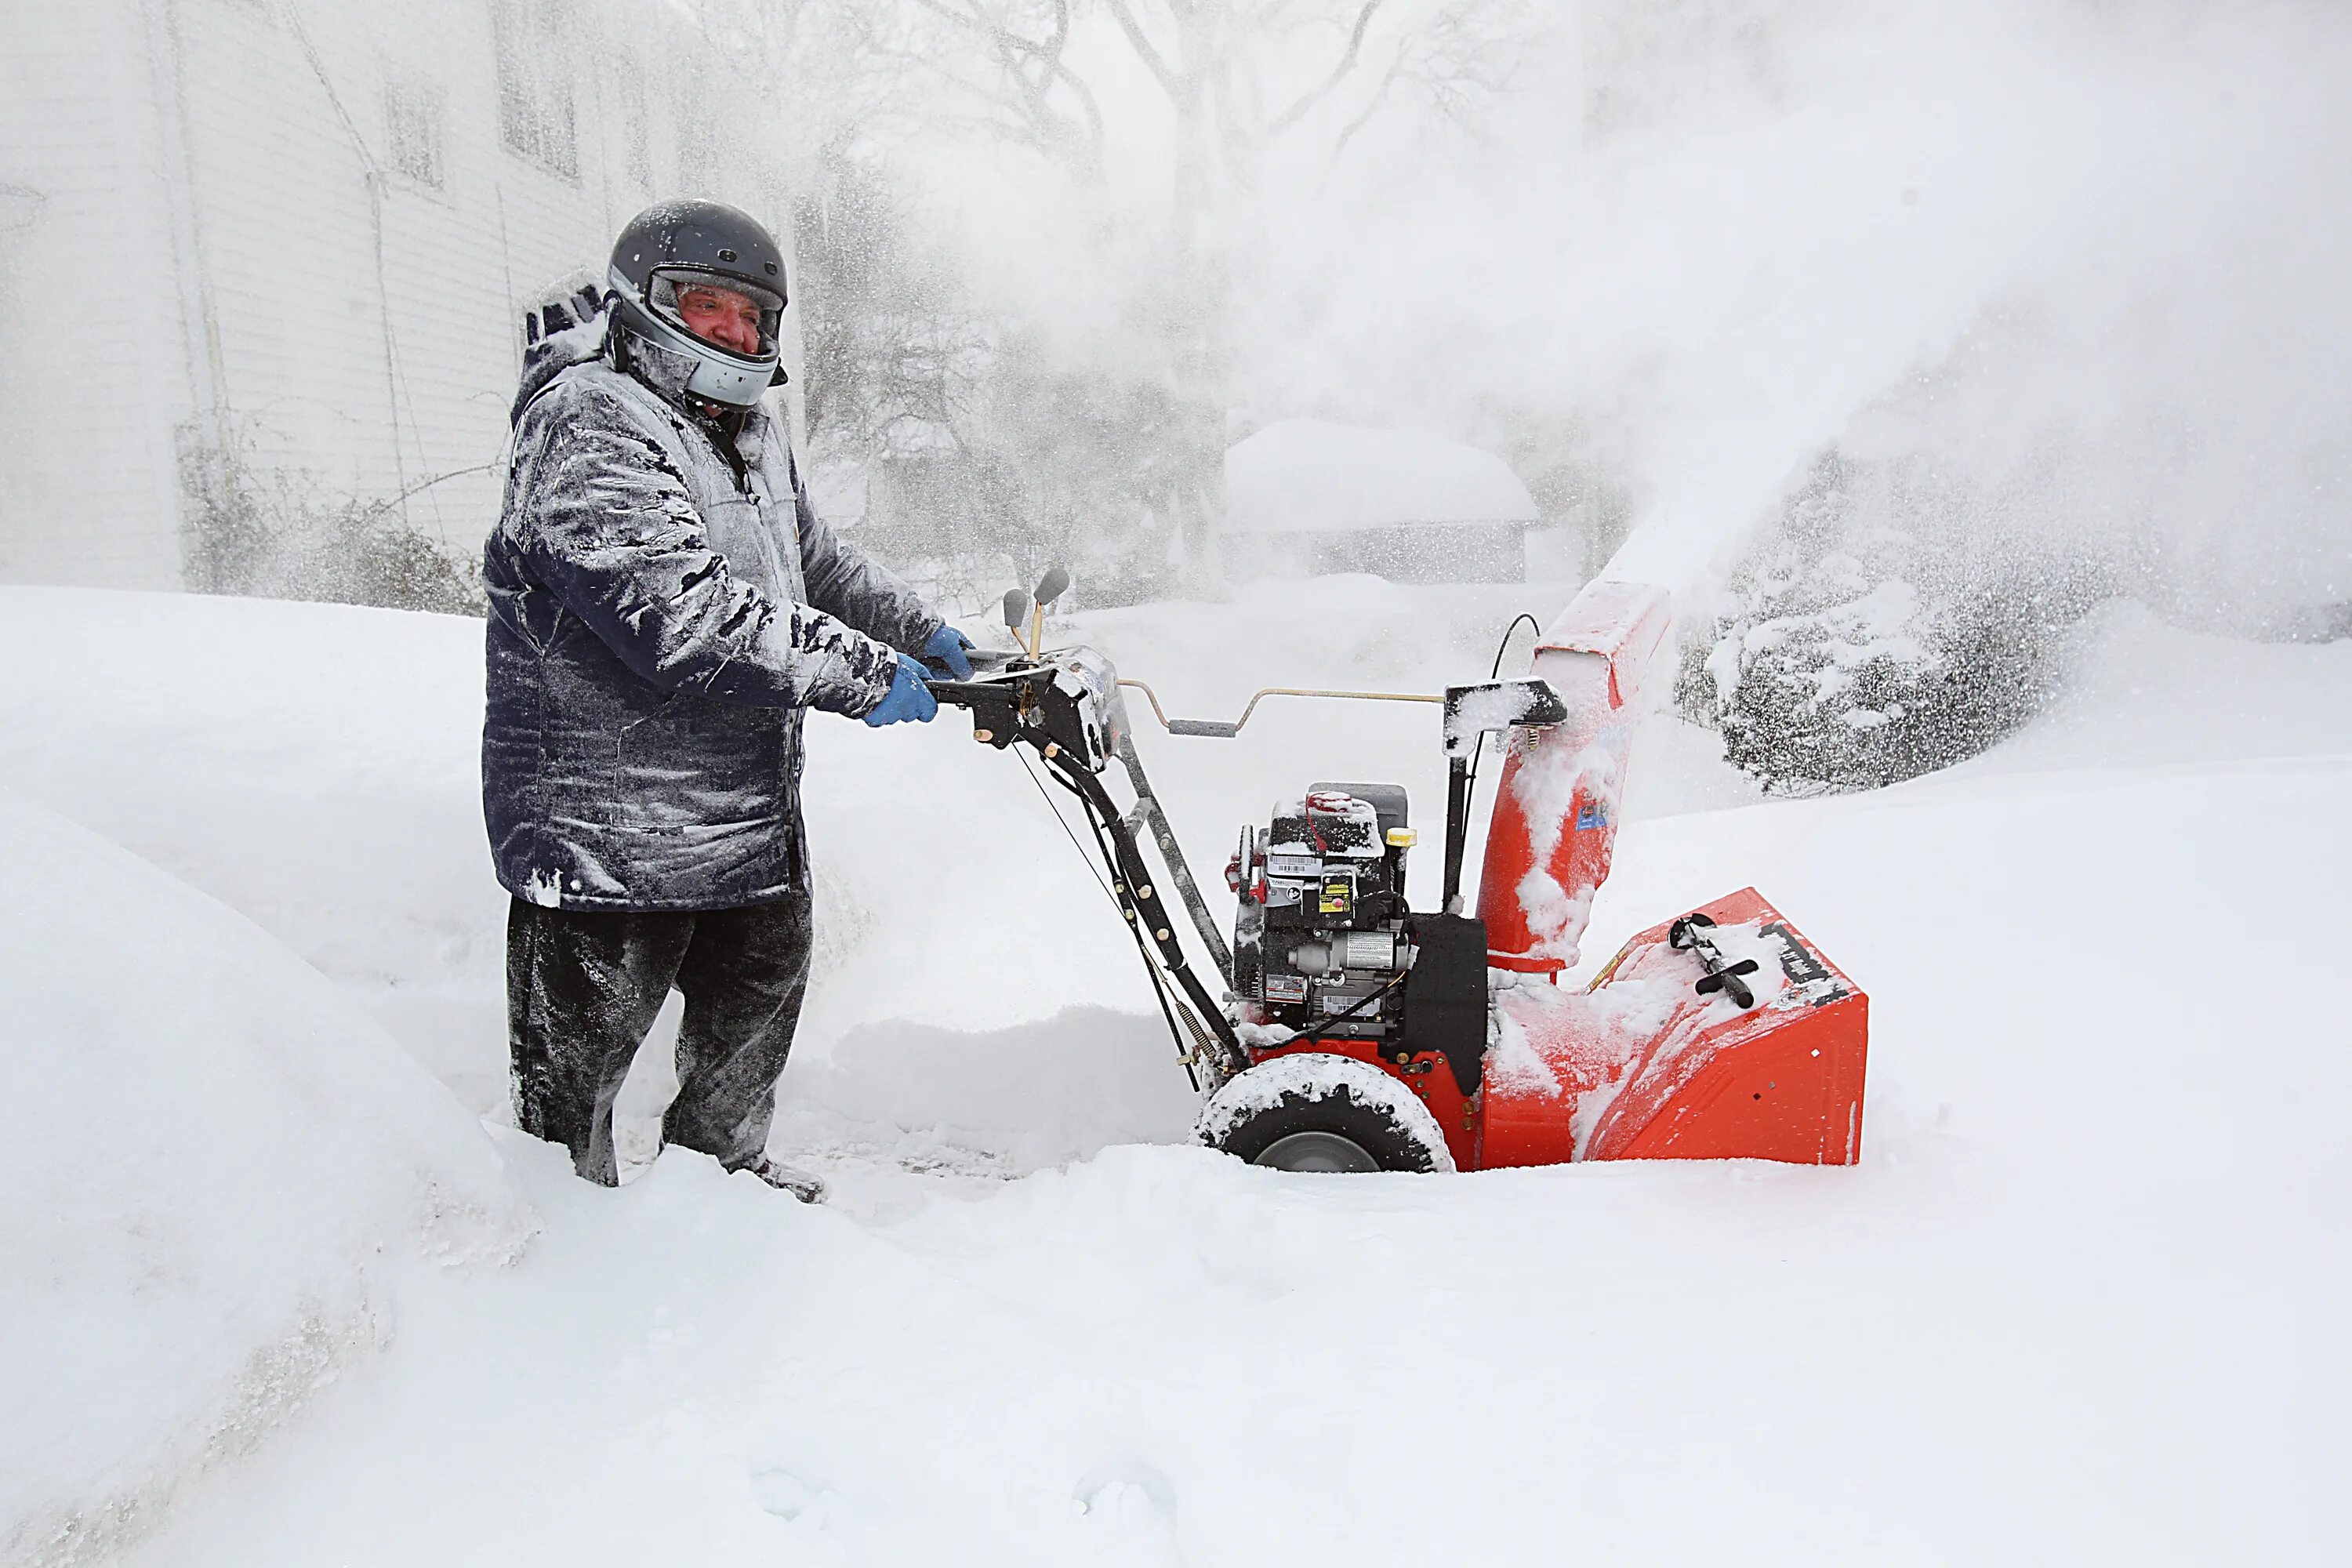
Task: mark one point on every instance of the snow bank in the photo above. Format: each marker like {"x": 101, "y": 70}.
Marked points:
{"x": 316, "y": 767}
{"x": 2078, "y": 1300}
{"x": 214, "y": 1169}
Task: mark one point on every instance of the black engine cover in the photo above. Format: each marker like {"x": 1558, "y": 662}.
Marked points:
{"x": 1445, "y": 994}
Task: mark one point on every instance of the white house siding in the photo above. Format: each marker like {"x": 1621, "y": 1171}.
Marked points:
{"x": 92, "y": 367}
{"x": 350, "y": 327}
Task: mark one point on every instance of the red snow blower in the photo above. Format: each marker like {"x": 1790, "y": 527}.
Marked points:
{"x": 1357, "y": 1034}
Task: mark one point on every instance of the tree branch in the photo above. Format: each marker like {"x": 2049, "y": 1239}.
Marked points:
{"x": 1379, "y": 96}
{"x": 1144, "y": 50}
{"x": 1049, "y": 54}
{"x": 1339, "y": 73}
{"x": 1047, "y": 129}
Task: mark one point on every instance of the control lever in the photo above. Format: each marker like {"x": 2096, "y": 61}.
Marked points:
{"x": 1688, "y": 935}
{"x": 1050, "y": 587}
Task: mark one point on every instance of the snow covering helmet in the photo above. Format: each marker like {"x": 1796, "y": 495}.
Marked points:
{"x": 670, "y": 247}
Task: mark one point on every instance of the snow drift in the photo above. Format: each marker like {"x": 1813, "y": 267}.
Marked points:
{"x": 2075, "y": 1304}
{"x": 215, "y": 1169}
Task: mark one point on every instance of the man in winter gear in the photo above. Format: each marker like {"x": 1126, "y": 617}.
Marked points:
{"x": 664, "y": 604}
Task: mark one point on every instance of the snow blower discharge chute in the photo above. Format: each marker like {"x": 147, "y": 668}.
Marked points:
{"x": 1342, "y": 1030}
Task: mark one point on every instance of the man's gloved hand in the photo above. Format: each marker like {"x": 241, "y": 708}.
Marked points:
{"x": 950, "y": 651}
{"x": 910, "y": 698}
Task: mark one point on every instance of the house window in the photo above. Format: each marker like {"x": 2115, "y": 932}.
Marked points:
{"x": 411, "y": 130}
{"x": 536, "y": 115}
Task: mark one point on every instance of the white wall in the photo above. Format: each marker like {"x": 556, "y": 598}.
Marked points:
{"x": 301, "y": 300}
{"x": 93, "y": 368}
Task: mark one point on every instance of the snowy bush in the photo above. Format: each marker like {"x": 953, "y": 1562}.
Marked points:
{"x": 279, "y": 536}
{"x": 1878, "y": 630}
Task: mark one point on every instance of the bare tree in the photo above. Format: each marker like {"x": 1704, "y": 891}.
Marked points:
{"x": 1241, "y": 79}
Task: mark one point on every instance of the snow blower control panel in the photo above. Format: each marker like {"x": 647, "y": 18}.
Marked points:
{"x": 1064, "y": 703}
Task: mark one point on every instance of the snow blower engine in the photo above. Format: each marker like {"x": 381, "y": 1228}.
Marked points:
{"x": 1347, "y": 1031}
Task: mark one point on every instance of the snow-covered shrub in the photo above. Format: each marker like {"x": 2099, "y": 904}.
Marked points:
{"x": 1879, "y": 629}
{"x": 273, "y": 535}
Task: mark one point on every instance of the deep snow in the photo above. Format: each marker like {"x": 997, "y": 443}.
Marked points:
{"x": 217, "y": 1170}
{"x": 2077, "y": 1304}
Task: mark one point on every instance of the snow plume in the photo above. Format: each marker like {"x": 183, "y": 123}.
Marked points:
{"x": 2074, "y": 258}
{"x": 1849, "y": 653}
{"x": 2080, "y": 261}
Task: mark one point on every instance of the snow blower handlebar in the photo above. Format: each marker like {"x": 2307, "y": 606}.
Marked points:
{"x": 1065, "y": 707}
{"x": 1218, "y": 730}
{"x": 1470, "y": 712}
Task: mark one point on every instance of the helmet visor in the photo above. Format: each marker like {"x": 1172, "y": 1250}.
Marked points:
{"x": 699, "y": 303}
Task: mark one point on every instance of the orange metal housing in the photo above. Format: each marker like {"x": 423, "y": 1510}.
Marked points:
{"x": 1639, "y": 1065}
{"x": 1554, "y": 830}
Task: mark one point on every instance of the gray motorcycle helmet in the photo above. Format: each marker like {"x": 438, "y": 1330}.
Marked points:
{"x": 669, "y": 247}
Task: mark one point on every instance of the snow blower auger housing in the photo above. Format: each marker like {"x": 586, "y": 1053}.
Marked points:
{"x": 1344, "y": 1031}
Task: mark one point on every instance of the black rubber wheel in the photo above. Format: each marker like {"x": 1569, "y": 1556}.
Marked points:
{"x": 1362, "y": 1120}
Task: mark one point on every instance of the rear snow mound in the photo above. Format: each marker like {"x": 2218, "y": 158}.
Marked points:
{"x": 215, "y": 1170}
{"x": 317, "y": 768}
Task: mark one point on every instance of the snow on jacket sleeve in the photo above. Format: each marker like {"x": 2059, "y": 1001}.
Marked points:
{"x": 617, "y": 538}
{"x": 842, "y": 581}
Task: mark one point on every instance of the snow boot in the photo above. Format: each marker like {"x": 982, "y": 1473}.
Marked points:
{"x": 808, "y": 1188}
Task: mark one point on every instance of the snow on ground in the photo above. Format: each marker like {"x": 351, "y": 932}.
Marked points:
{"x": 2077, "y": 1304}
{"x": 214, "y": 1164}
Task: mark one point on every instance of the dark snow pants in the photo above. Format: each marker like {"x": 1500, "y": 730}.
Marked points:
{"x": 583, "y": 988}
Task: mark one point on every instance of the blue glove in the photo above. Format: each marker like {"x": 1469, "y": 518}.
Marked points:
{"x": 952, "y": 651}
{"x": 910, "y": 698}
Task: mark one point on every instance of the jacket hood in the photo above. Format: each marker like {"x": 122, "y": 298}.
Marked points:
{"x": 565, "y": 324}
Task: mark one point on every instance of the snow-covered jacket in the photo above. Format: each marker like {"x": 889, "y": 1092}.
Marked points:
{"x": 658, "y": 618}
